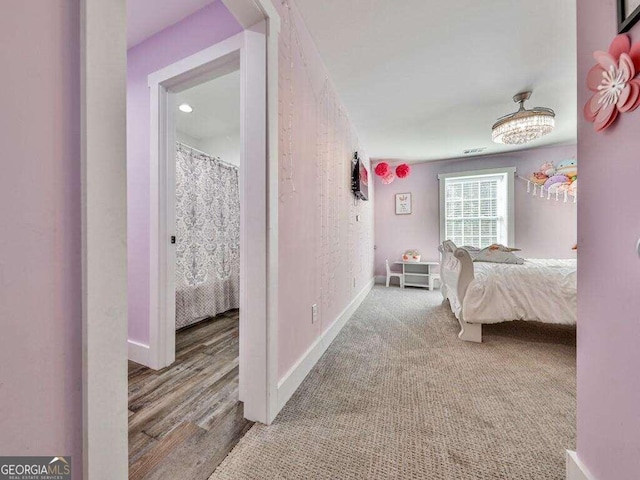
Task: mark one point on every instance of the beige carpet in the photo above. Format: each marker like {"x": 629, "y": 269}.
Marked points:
{"x": 397, "y": 395}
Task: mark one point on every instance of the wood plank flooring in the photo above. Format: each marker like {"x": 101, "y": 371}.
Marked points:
{"x": 186, "y": 418}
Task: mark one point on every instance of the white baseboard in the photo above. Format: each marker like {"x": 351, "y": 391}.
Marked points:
{"x": 576, "y": 470}
{"x": 381, "y": 279}
{"x": 294, "y": 377}
{"x": 139, "y": 353}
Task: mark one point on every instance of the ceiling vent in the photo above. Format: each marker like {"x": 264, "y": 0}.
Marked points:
{"x": 471, "y": 151}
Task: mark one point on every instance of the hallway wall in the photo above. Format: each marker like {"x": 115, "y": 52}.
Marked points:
{"x": 326, "y": 255}
{"x": 40, "y": 249}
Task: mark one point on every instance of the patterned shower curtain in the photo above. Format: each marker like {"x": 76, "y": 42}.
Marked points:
{"x": 207, "y": 236}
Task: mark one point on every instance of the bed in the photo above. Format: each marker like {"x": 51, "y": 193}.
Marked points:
{"x": 482, "y": 293}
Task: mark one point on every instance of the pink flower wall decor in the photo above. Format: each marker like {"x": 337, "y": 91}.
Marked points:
{"x": 612, "y": 79}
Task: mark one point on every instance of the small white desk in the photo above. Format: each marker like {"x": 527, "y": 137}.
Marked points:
{"x": 416, "y": 274}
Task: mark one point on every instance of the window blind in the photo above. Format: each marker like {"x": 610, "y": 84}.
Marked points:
{"x": 475, "y": 210}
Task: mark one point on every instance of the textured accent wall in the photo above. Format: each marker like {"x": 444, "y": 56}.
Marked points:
{"x": 322, "y": 247}
{"x": 609, "y": 272}
{"x": 543, "y": 228}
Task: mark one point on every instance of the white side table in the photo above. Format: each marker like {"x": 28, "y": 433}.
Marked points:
{"x": 419, "y": 274}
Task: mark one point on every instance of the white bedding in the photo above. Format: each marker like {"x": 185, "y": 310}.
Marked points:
{"x": 538, "y": 290}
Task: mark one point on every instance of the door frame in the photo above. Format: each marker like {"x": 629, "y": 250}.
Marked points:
{"x": 246, "y": 52}
{"x": 104, "y": 254}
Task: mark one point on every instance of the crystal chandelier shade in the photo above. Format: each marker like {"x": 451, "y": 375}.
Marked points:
{"x": 524, "y": 125}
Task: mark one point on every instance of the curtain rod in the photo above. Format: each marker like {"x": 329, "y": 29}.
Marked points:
{"x": 229, "y": 164}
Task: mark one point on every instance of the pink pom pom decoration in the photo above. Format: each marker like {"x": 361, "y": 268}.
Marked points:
{"x": 390, "y": 177}
{"x": 382, "y": 169}
{"x": 403, "y": 170}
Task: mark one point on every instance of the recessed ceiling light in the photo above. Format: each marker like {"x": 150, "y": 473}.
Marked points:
{"x": 186, "y": 108}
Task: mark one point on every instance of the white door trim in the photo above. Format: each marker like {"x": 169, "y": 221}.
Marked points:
{"x": 104, "y": 239}
{"x": 104, "y": 256}
{"x": 575, "y": 469}
{"x": 209, "y": 63}
{"x": 246, "y": 51}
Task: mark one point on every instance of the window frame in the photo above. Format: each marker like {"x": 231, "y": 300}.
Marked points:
{"x": 508, "y": 172}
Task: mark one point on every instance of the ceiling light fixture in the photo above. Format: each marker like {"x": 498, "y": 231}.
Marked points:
{"x": 524, "y": 125}
{"x": 186, "y": 108}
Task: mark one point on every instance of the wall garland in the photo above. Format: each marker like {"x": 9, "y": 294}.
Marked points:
{"x": 313, "y": 109}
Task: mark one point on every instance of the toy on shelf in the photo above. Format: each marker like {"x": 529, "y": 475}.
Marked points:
{"x": 411, "y": 256}
{"x": 559, "y": 181}
{"x": 568, "y": 168}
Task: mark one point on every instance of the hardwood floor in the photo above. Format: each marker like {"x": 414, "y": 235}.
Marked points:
{"x": 186, "y": 418}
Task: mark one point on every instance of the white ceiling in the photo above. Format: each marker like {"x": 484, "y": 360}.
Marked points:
{"x": 147, "y": 17}
{"x": 216, "y": 108}
{"x": 426, "y": 79}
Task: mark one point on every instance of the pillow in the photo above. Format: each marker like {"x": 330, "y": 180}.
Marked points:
{"x": 496, "y": 254}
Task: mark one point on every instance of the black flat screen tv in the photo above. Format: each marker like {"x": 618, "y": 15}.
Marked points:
{"x": 360, "y": 179}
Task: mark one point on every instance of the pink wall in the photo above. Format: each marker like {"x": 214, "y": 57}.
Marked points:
{"x": 322, "y": 247}
{"x": 543, "y": 229}
{"x": 40, "y": 249}
{"x": 204, "y": 28}
{"x": 609, "y": 273}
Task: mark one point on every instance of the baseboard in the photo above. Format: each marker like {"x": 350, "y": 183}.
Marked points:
{"x": 576, "y": 470}
{"x": 381, "y": 279}
{"x": 139, "y": 353}
{"x": 294, "y": 377}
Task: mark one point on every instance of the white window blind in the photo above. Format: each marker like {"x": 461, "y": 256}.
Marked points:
{"x": 476, "y": 208}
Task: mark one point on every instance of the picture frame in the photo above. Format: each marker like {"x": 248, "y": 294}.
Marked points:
{"x": 628, "y": 14}
{"x": 403, "y": 203}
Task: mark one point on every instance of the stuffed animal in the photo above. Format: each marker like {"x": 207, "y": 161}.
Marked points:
{"x": 539, "y": 178}
{"x": 568, "y": 167}
{"x": 548, "y": 169}
{"x": 411, "y": 256}
{"x": 573, "y": 188}
{"x": 554, "y": 183}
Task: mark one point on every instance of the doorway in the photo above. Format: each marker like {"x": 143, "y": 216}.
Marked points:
{"x": 194, "y": 399}
{"x": 245, "y": 54}
{"x": 104, "y": 315}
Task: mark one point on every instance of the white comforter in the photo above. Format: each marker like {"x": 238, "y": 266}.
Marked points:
{"x": 539, "y": 290}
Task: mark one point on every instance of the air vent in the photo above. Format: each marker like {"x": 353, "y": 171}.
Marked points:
{"x": 470, "y": 151}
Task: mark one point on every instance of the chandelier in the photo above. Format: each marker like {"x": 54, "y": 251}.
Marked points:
{"x": 524, "y": 125}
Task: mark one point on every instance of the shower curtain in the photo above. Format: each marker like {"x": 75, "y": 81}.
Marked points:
{"x": 207, "y": 236}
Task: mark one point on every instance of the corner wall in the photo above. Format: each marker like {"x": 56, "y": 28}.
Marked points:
{"x": 543, "y": 228}
{"x": 609, "y": 273}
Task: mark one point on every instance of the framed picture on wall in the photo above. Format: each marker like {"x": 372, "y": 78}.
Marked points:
{"x": 628, "y": 14}
{"x": 403, "y": 203}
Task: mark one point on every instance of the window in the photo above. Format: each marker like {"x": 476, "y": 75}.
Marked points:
{"x": 476, "y": 208}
